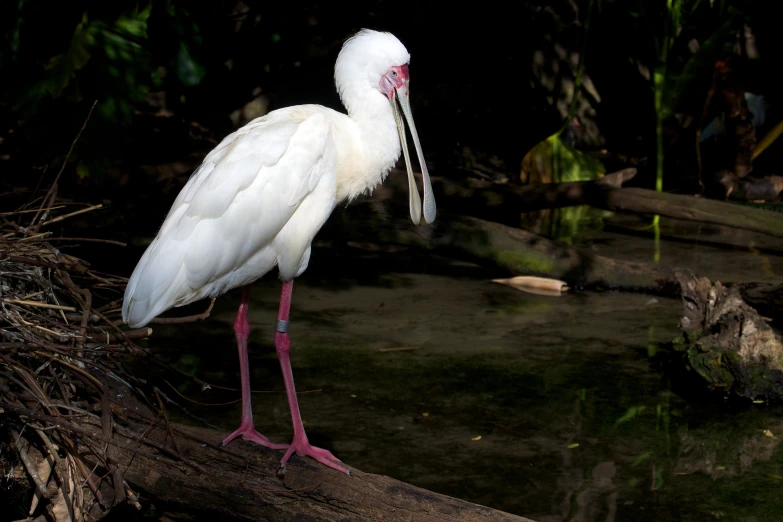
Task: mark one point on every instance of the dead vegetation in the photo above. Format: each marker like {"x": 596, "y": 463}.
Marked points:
{"x": 65, "y": 392}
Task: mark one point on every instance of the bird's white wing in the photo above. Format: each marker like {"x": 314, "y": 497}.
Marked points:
{"x": 234, "y": 205}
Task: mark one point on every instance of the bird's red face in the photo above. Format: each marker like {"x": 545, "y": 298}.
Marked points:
{"x": 395, "y": 79}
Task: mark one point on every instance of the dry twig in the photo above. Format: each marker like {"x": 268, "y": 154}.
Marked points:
{"x": 61, "y": 353}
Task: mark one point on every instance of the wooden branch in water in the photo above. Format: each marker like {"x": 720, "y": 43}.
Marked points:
{"x": 504, "y": 203}
{"x": 691, "y": 208}
{"x": 524, "y": 253}
{"x": 515, "y": 250}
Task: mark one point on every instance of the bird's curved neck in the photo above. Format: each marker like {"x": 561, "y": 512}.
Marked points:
{"x": 379, "y": 142}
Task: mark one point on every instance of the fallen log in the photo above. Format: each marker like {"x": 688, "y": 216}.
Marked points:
{"x": 523, "y": 253}
{"x": 691, "y": 208}
{"x": 504, "y": 203}
{"x": 693, "y": 233}
{"x": 381, "y": 221}
{"x": 242, "y": 481}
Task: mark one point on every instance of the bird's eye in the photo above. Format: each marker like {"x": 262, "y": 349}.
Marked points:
{"x": 394, "y": 74}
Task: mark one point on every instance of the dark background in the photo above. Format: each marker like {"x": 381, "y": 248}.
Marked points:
{"x": 473, "y": 78}
{"x": 489, "y": 81}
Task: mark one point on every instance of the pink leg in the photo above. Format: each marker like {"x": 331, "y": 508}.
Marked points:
{"x": 246, "y": 429}
{"x": 283, "y": 347}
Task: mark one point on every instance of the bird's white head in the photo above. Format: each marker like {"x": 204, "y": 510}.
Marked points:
{"x": 373, "y": 63}
{"x": 365, "y": 60}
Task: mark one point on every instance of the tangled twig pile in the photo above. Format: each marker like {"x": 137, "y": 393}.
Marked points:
{"x": 66, "y": 400}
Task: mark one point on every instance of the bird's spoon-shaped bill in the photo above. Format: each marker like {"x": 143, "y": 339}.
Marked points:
{"x": 429, "y": 207}
{"x": 413, "y": 190}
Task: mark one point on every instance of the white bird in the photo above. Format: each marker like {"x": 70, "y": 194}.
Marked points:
{"x": 259, "y": 198}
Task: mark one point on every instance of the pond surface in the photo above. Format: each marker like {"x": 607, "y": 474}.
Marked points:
{"x": 567, "y": 408}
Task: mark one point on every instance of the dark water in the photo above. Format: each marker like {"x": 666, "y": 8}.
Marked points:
{"x": 565, "y": 408}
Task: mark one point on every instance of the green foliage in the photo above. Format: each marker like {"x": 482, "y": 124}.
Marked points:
{"x": 189, "y": 71}
{"x": 94, "y": 51}
{"x": 680, "y": 77}
{"x": 677, "y": 71}
{"x": 115, "y": 49}
{"x": 62, "y": 68}
{"x": 554, "y": 161}
{"x": 630, "y": 414}
{"x": 569, "y": 164}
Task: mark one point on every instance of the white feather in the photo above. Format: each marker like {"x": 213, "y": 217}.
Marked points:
{"x": 232, "y": 209}
{"x": 262, "y": 194}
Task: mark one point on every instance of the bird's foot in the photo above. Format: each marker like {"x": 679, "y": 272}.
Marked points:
{"x": 302, "y": 448}
{"x": 248, "y": 432}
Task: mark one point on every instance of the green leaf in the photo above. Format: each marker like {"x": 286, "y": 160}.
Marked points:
{"x": 82, "y": 170}
{"x": 189, "y": 71}
{"x": 641, "y": 458}
{"x": 14, "y": 41}
{"x": 630, "y": 414}
{"x": 658, "y": 480}
{"x": 134, "y": 25}
{"x": 63, "y": 67}
{"x": 553, "y": 161}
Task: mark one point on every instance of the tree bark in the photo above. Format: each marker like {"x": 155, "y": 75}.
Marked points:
{"x": 242, "y": 481}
